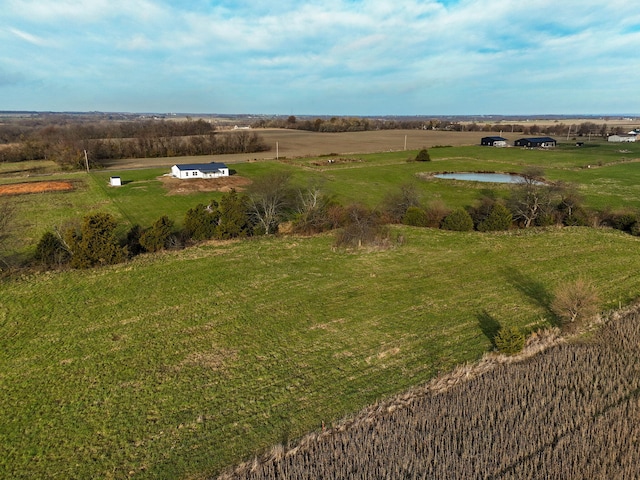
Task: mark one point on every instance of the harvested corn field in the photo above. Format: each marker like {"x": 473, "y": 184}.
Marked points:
{"x": 571, "y": 412}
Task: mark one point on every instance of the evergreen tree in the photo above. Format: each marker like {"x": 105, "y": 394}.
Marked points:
{"x": 499, "y": 218}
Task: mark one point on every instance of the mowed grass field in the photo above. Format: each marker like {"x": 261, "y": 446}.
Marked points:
{"x": 179, "y": 364}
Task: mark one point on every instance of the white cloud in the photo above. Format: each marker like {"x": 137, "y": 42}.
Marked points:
{"x": 28, "y": 37}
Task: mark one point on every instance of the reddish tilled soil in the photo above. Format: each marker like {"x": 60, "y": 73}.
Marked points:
{"x": 35, "y": 187}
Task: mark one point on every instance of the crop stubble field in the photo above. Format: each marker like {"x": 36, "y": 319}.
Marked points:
{"x": 180, "y": 364}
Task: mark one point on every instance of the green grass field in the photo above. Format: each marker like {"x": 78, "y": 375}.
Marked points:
{"x": 176, "y": 365}
{"x": 179, "y": 364}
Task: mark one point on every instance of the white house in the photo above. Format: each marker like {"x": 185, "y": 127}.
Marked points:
{"x": 115, "y": 181}
{"x": 200, "y": 170}
{"x": 622, "y": 138}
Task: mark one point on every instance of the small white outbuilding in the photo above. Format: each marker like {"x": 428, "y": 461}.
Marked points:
{"x": 115, "y": 181}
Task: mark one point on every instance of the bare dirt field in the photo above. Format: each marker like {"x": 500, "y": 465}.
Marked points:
{"x": 284, "y": 143}
{"x": 175, "y": 186}
{"x": 34, "y": 187}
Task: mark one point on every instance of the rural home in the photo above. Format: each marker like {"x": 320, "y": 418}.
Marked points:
{"x": 115, "y": 181}
{"x": 493, "y": 141}
{"x": 622, "y": 138}
{"x": 200, "y": 170}
{"x": 535, "y": 142}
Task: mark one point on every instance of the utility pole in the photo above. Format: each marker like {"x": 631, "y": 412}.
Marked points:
{"x": 86, "y": 160}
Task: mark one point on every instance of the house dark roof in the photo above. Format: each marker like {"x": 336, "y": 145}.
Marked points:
{"x": 538, "y": 139}
{"x": 495, "y": 139}
{"x": 203, "y": 167}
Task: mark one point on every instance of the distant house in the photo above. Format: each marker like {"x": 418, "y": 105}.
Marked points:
{"x": 621, "y": 138}
{"x": 536, "y": 142}
{"x": 200, "y": 170}
{"x": 115, "y": 181}
{"x": 493, "y": 141}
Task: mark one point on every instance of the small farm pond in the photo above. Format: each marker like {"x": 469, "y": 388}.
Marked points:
{"x": 481, "y": 177}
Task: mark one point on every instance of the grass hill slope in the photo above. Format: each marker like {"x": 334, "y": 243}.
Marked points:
{"x": 180, "y": 364}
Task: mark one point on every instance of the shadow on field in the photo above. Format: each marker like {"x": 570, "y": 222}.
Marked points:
{"x": 536, "y": 291}
{"x": 489, "y": 326}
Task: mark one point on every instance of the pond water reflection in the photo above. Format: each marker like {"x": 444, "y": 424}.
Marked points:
{"x": 482, "y": 177}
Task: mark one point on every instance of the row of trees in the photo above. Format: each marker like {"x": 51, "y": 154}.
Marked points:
{"x": 356, "y": 124}
{"x": 66, "y": 144}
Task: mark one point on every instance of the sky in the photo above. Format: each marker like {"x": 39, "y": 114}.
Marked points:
{"x": 327, "y": 57}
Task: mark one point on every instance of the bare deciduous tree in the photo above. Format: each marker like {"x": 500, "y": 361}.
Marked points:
{"x": 575, "y": 302}
{"x": 530, "y": 199}
{"x": 269, "y": 198}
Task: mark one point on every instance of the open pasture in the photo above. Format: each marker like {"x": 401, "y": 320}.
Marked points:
{"x": 179, "y": 364}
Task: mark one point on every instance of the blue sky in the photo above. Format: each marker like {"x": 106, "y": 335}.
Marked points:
{"x": 328, "y": 57}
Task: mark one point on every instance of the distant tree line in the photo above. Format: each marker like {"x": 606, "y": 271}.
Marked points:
{"x": 66, "y": 141}
{"x": 356, "y": 124}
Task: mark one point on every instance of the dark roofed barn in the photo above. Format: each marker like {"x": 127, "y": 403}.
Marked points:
{"x": 494, "y": 141}
{"x": 536, "y": 142}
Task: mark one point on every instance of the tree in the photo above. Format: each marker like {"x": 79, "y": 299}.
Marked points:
{"x": 51, "y": 251}
{"x": 509, "y": 340}
{"x": 570, "y": 208}
{"x": 132, "y": 240}
{"x": 530, "y": 199}
{"x": 499, "y": 218}
{"x": 423, "y": 156}
{"x": 312, "y": 210}
{"x": 436, "y": 211}
{"x": 575, "y": 302}
{"x": 363, "y": 227}
{"x": 157, "y": 237}
{"x": 416, "y": 217}
{"x": 396, "y": 204}
{"x": 459, "y": 220}
{"x": 269, "y": 198}
{"x": 234, "y": 217}
{"x": 201, "y": 222}
{"x": 94, "y": 242}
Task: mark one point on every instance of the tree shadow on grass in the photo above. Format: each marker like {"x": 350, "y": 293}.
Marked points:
{"x": 489, "y": 326}
{"x": 535, "y": 290}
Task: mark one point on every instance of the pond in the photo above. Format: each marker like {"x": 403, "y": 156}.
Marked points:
{"x": 482, "y": 177}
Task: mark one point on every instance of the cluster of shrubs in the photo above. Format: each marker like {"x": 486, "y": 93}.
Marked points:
{"x": 94, "y": 240}
{"x": 566, "y": 413}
